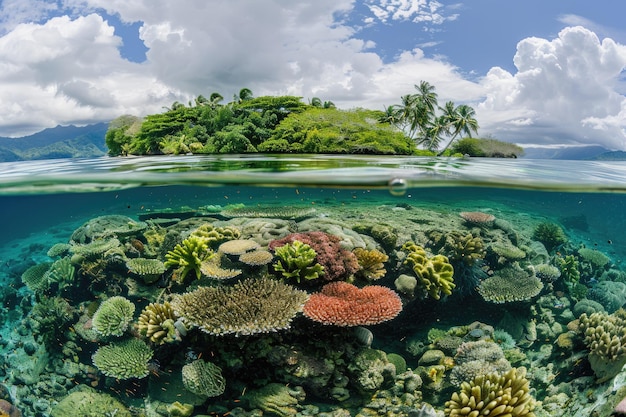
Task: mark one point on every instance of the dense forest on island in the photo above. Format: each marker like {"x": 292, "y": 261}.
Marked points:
{"x": 286, "y": 124}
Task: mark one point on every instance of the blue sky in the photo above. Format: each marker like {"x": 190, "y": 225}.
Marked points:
{"x": 543, "y": 73}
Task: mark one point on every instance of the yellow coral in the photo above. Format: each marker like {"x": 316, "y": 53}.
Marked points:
{"x": 156, "y": 322}
{"x": 435, "y": 274}
{"x": 371, "y": 263}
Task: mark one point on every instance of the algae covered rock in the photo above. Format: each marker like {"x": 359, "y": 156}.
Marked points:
{"x": 86, "y": 402}
{"x": 107, "y": 225}
{"x": 370, "y": 369}
{"x": 276, "y": 399}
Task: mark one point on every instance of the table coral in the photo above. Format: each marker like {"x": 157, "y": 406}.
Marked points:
{"x": 510, "y": 284}
{"x": 148, "y": 269}
{"x": 338, "y": 262}
{"x": 203, "y": 378}
{"x": 494, "y": 394}
{"x": 124, "y": 360}
{"x": 434, "y": 274}
{"x": 248, "y": 307}
{"x": 35, "y": 277}
{"x": 343, "y": 304}
{"x": 113, "y": 316}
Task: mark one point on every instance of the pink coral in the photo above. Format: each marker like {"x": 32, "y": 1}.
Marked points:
{"x": 338, "y": 262}
{"x": 8, "y": 409}
{"x": 343, "y": 304}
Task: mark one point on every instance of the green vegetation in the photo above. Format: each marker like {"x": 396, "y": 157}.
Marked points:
{"x": 285, "y": 124}
{"x": 490, "y": 148}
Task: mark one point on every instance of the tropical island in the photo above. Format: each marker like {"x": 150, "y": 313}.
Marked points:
{"x": 418, "y": 125}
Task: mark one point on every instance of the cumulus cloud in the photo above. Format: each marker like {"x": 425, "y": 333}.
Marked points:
{"x": 418, "y": 11}
{"x": 564, "y": 91}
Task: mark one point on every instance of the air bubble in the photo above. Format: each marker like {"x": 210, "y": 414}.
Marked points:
{"x": 398, "y": 187}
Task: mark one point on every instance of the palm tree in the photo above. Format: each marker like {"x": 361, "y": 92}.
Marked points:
{"x": 244, "y": 94}
{"x": 215, "y": 99}
{"x": 459, "y": 119}
{"x": 329, "y": 105}
{"x": 435, "y": 132}
{"x": 316, "y": 102}
{"x": 417, "y": 110}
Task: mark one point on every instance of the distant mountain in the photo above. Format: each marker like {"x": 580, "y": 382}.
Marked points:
{"x": 611, "y": 156}
{"x": 565, "y": 152}
{"x": 58, "y": 142}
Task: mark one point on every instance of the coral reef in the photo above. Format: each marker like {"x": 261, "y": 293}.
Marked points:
{"x": 338, "y": 262}
{"x": 371, "y": 262}
{"x": 434, "y": 274}
{"x": 203, "y": 378}
{"x": 510, "y": 284}
{"x": 477, "y": 358}
{"x": 550, "y": 234}
{"x": 113, "y": 316}
{"x": 343, "y": 304}
{"x": 124, "y": 360}
{"x": 248, "y": 307}
{"x": 238, "y": 246}
{"x": 107, "y": 225}
{"x": 276, "y": 399}
{"x": 149, "y": 270}
{"x": 610, "y": 294}
{"x": 256, "y": 257}
{"x": 86, "y": 402}
{"x": 215, "y": 235}
{"x": 370, "y": 369}
{"x": 494, "y": 394}
{"x": 279, "y": 212}
{"x": 477, "y": 218}
{"x": 61, "y": 273}
{"x": 296, "y": 260}
{"x": 35, "y": 277}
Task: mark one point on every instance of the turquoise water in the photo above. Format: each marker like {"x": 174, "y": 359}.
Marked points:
{"x": 497, "y": 298}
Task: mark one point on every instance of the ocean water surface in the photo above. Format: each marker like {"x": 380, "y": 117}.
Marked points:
{"x": 252, "y": 285}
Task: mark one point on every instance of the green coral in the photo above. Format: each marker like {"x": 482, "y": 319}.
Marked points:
{"x": 96, "y": 248}
{"x": 148, "y": 269}
{"x": 188, "y": 256}
{"x": 35, "y": 277}
{"x": 61, "y": 272}
{"x": 52, "y": 317}
{"x": 435, "y": 274}
{"x": 550, "y": 234}
{"x": 113, "y": 316}
{"x": 568, "y": 266}
{"x": 276, "y": 399}
{"x": 296, "y": 261}
{"x": 510, "y": 284}
{"x": 124, "y": 360}
{"x": 87, "y": 402}
{"x": 157, "y": 323}
{"x": 605, "y": 336}
{"x": 596, "y": 258}
{"x": 203, "y": 378}
{"x": 215, "y": 235}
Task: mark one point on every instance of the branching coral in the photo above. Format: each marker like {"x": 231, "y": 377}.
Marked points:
{"x": 296, "y": 260}
{"x": 157, "y": 323}
{"x": 494, "y": 394}
{"x": 124, "y": 360}
{"x": 188, "y": 256}
{"x": 435, "y": 274}
{"x": 605, "y": 336}
{"x": 203, "y": 378}
{"x": 510, "y": 284}
{"x": 248, "y": 307}
{"x": 371, "y": 263}
{"x": 113, "y": 316}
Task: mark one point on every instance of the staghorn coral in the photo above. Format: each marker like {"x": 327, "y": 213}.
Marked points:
{"x": 494, "y": 394}
{"x": 113, "y": 316}
{"x": 343, "y": 304}
{"x": 338, "y": 262}
{"x": 510, "y": 284}
{"x": 35, "y": 277}
{"x": 296, "y": 260}
{"x": 157, "y": 323}
{"x": 435, "y": 274}
{"x": 605, "y": 337}
{"x": 371, "y": 263}
{"x": 203, "y": 378}
{"x": 188, "y": 256}
{"x": 124, "y": 360}
{"x": 149, "y": 270}
{"x": 248, "y": 307}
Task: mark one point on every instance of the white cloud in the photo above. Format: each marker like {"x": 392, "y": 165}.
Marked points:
{"x": 428, "y": 11}
{"x": 564, "y": 91}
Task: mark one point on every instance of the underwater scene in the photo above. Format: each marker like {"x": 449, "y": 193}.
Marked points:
{"x": 312, "y": 286}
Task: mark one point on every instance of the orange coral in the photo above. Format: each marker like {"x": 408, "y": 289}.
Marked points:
{"x": 343, "y": 304}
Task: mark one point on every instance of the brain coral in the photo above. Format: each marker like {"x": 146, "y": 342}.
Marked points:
{"x": 343, "y": 304}
{"x": 203, "y": 378}
{"x": 510, "y": 284}
{"x": 123, "y": 360}
{"x": 248, "y": 307}
{"x": 113, "y": 316}
{"x": 434, "y": 274}
{"x": 338, "y": 262}
{"x": 494, "y": 394}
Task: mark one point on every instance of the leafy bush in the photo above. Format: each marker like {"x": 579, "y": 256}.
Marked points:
{"x": 490, "y": 148}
